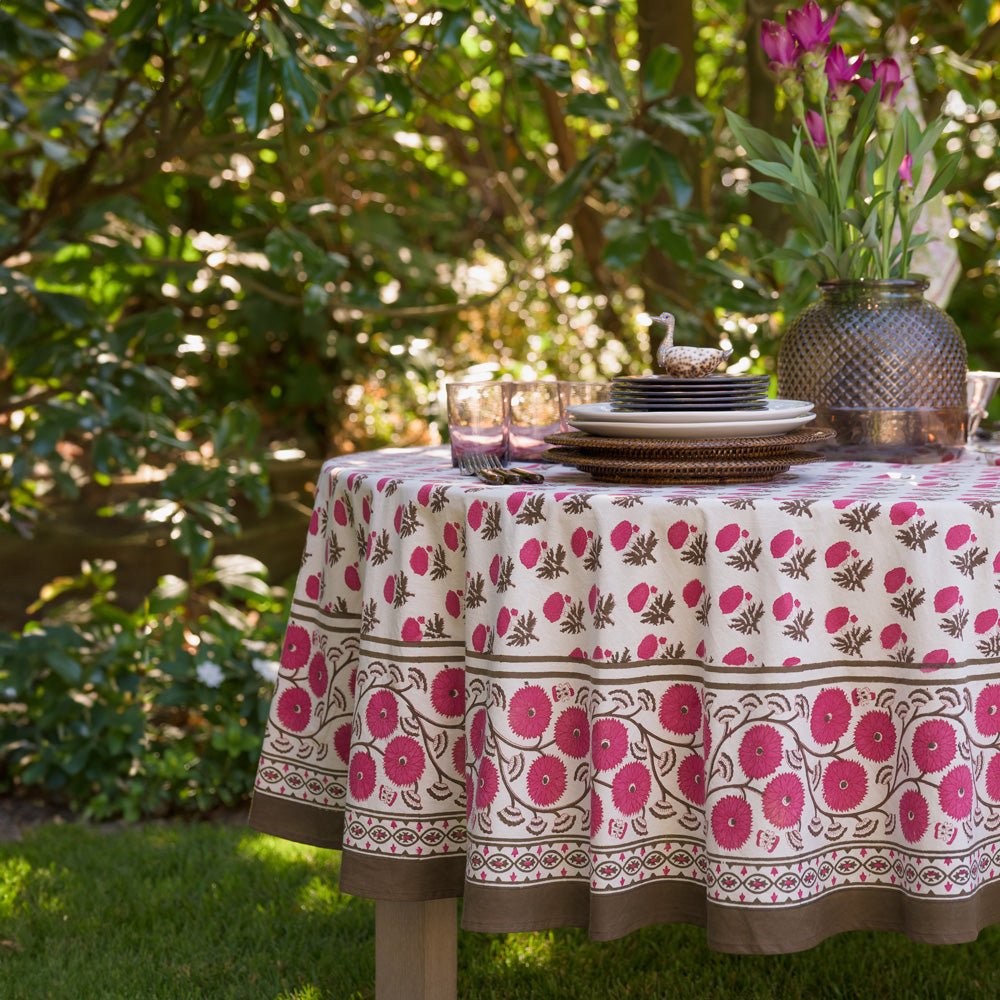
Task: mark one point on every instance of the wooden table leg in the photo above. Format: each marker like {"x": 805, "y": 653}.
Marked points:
{"x": 416, "y": 950}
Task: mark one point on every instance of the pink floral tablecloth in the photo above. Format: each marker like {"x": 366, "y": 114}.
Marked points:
{"x": 771, "y": 709}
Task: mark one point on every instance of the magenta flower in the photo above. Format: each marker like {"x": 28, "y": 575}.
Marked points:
{"x": 294, "y": 709}
{"x": 988, "y": 710}
{"x": 596, "y": 813}
{"x": 808, "y": 28}
{"x": 906, "y": 170}
{"x": 342, "y": 741}
{"x": 732, "y": 819}
{"x": 477, "y": 733}
{"x": 573, "y": 732}
{"x": 841, "y": 71}
{"x": 530, "y": 711}
{"x": 993, "y": 778}
{"x": 362, "y": 778}
{"x": 630, "y": 788}
{"x": 295, "y": 652}
{"x": 830, "y": 716}
{"x": 779, "y": 46}
{"x": 956, "y": 792}
{"x": 817, "y": 130}
{"x": 845, "y": 784}
{"x": 382, "y": 714}
{"x": 680, "y": 709}
{"x": 319, "y": 675}
{"x": 458, "y": 755}
{"x": 887, "y": 74}
{"x": 448, "y": 693}
{"x": 760, "y": 751}
{"x": 934, "y": 745}
{"x": 546, "y": 780}
{"x": 913, "y": 815}
{"x": 404, "y": 761}
{"x": 691, "y": 778}
{"x": 487, "y": 784}
{"x": 875, "y": 736}
{"x": 783, "y": 800}
{"x": 608, "y": 742}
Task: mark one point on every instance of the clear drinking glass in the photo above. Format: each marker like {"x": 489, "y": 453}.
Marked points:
{"x": 535, "y": 412}
{"x": 575, "y": 393}
{"x": 478, "y": 416}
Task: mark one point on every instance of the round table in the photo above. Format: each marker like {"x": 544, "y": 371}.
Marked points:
{"x": 770, "y": 709}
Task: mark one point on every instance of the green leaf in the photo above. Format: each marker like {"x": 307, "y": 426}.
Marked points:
{"x": 627, "y": 244}
{"x": 672, "y": 175}
{"x": 660, "y": 72}
{"x": 64, "y": 665}
{"x": 252, "y": 93}
{"x": 943, "y": 177}
{"x": 863, "y": 123}
{"x": 570, "y": 189}
{"x": 139, "y": 15}
{"x": 758, "y": 144}
{"x": 595, "y": 108}
{"x": 299, "y": 91}
{"x": 635, "y": 156}
{"x": 675, "y": 245}
{"x": 218, "y": 95}
{"x": 773, "y": 192}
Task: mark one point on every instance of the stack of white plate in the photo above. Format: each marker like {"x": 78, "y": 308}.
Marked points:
{"x": 778, "y": 416}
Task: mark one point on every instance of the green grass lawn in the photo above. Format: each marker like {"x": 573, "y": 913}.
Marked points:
{"x": 207, "y": 912}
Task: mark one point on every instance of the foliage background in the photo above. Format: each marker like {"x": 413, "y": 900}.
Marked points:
{"x": 237, "y": 237}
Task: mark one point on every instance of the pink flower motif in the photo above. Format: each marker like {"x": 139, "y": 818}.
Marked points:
{"x": 732, "y": 819}
{"x": 596, "y": 813}
{"x": 319, "y": 675}
{"x": 546, "y": 780}
{"x": 477, "y": 733}
{"x": 988, "y": 710}
{"x": 808, "y": 27}
{"x": 487, "y": 784}
{"x": 956, "y": 792}
{"x": 294, "y": 709}
{"x": 448, "y": 693}
{"x": 295, "y": 652}
{"x": 817, "y": 130}
{"x": 630, "y": 788}
{"x": 530, "y": 711}
{"x": 691, "y": 778}
{"x": 840, "y": 71}
{"x": 934, "y": 745}
{"x": 993, "y": 778}
{"x": 680, "y": 709}
{"x": 404, "y": 761}
{"x": 875, "y": 736}
{"x": 608, "y": 742}
{"x": 889, "y": 78}
{"x": 362, "y": 776}
{"x": 573, "y": 732}
{"x": 342, "y": 741}
{"x": 458, "y": 755}
{"x": 783, "y": 800}
{"x": 760, "y": 751}
{"x": 913, "y": 815}
{"x": 845, "y": 784}
{"x": 779, "y": 46}
{"x": 382, "y": 714}
{"x": 830, "y": 716}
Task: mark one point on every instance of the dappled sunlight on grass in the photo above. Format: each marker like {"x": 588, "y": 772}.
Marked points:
{"x": 536, "y": 949}
{"x": 14, "y": 874}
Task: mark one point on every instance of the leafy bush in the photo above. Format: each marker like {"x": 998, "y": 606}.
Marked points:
{"x": 146, "y": 712}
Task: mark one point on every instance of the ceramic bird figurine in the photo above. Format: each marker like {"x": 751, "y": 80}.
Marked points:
{"x": 686, "y": 362}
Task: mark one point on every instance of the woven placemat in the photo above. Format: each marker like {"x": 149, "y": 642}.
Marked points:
{"x": 689, "y": 448}
{"x": 680, "y": 472}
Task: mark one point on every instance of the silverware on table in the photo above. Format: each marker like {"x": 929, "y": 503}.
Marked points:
{"x": 491, "y": 470}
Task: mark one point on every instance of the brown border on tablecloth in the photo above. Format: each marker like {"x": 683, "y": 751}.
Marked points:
{"x": 749, "y": 930}
{"x": 303, "y": 822}
{"x": 402, "y": 880}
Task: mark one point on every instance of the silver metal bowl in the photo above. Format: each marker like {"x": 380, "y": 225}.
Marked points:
{"x": 982, "y": 386}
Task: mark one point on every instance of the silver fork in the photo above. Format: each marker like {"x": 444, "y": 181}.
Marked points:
{"x": 471, "y": 465}
{"x": 493, "y": 463}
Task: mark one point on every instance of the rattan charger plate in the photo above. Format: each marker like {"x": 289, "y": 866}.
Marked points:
{"x": 679, "y": 472}
{"x": 689, "y": 449}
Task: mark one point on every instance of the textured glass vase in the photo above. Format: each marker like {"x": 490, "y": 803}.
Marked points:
{"x": 885, "y": 368}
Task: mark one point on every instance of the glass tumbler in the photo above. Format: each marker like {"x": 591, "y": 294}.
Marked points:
{"x": 478, "y": 416}
{"x": 535, "y": 412}
{"x": 577, "y": 393}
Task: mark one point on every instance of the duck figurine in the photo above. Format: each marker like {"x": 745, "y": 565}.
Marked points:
{"x": 686, "y": 362}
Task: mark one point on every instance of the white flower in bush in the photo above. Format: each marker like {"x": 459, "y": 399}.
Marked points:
{"x": 209, "y": 673}
{"x": 268, "y": 669}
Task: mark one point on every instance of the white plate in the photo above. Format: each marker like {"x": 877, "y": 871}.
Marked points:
{"x": 777, "y": 409}
{"x": 720, "y": 429}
